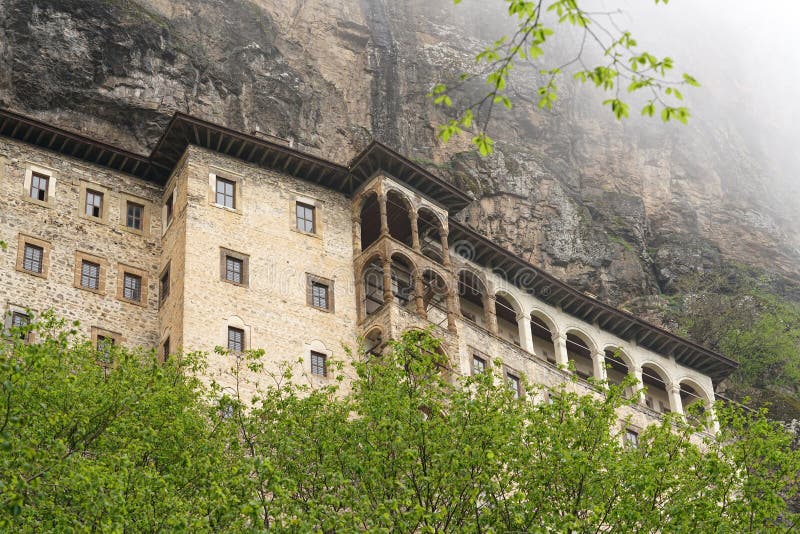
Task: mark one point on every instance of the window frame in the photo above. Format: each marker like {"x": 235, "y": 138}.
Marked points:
{"x": 82, "y": 257}
{"x": 23, "y": 242}
{"x": 224, "y": 254}
{"x": 31, "y": 170}
{"x": 122, "y": 271}
{"x": 9, "y": 319}
{"x": 316, "y": 205}
{"x": 479, "y": 356}
{"x": 87, "y": 188}
{"x": 230, "y": 177}
{"x": 311, "y": 281}
{"x": 126, "y": 200}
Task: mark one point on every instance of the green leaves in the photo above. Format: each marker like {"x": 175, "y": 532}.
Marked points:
{"x": 622, "y": 65}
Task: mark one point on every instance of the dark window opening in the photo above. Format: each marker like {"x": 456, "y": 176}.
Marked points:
{"x": 398, "y": 216}
{"x": 478, "y": 365}
{"x": 234, "y": 268}
{"x": 163, "y": 285}
{"x": 319, "y": 295}
{"x": 20, "y": 320}
{"x": 165, "y": 352}
{"x": 370, "y": 221}
{"x": 170, "y": 205}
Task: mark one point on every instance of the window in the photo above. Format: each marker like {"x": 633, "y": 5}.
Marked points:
{"x": 305, "y": 218}
{"x": 20, "y": 320}
{"x": 319, "y": 292}
{"x": 134, "y": 214}
{"x": 319, "y": 364}
{"x": 163, "y": 285}
{"x": 90, "y": 275}
{"x": 104, "y": 346}
{"x": 34, "y": 258}
{"x": 226, "y": 191}
{"x": 234, "y": 267}
{"x": 94, "y": 203}
{"x": 235, "y": 339}
{"x": 39, "y": 183}
{"x": 319, "y": 295}
{"x": 169, "y": 209}
{"x": 233, "y": 270}
{"x": 513, "y": 383}
{"x": 132, "y": 287}
{"x": 631, "y": 438}
{"x": 478, "y": 364}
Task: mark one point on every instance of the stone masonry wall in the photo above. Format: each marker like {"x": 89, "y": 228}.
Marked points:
{"x": 60, "y": 225}
{"x": 272, "y": 308}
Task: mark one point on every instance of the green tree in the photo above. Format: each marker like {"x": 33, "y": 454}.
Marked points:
{"x": 143, "y": 446}
{"x": 622, "y": 67}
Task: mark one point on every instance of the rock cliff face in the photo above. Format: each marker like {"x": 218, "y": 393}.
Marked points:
{"x": 624, "y": 211}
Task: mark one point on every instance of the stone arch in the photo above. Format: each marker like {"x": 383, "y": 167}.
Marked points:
{"x": 373, "y": 341}
{"x": 472, "y": 292}
{"x": 507, "y": 309}
{"x": 403, "y": 272}
{"x": 370, "y": 218}
{"x": 691, "y": 391}
{"x": 657, "y": 382}
{"x": 581, "y": 350}
{"x": 372, "y": 282}
{"x": 430, "y": 230}
{"x": 398, "y": 216}
{"x": 543, "y": 328}
{"x": 618, "y": 363}
{"x": 434, "y": 296}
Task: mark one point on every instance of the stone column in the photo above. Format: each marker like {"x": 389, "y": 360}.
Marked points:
{"x": 384, "y": 215}
{"x": 419, "y": 291}
{"x": 414, "y": 231}
{"x": 599, "y": 365}
{"x": 356, "y": 236}
{"x": 490, "y": 313}
{"x": 445, "y": 249}
{"x": 637, "y": 373}
{"x": 452, "y": 310}
{"x": 361, "y": 312}
{"x": 388, "y": 296}
{"x": 560, "y": 346}
{"x": 525, "y": 334}
{"x": 675, "y": 402}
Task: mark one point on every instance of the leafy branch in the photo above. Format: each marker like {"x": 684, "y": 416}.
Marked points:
{"x": 623, "y": 67}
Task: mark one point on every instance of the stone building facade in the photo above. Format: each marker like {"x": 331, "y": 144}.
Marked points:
{"x": 220, "y": 238}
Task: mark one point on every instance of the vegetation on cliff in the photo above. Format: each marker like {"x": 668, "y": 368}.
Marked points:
{"x": 144, "y": 446}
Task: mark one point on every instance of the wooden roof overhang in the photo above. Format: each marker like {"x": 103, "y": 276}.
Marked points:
{"x": 184, "y": 130}
{"x": 377, "y": 158}
{"x": 621, "y": 324}
{"x": 75, "y": 145}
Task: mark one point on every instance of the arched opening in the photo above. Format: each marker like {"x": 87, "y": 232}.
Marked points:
{"x": 471, "y": 293}
{"x": 370, "y": 220}
{"x": 402, "y": 281}
{"x": 656, "y": 397}
{"x": 398, "y": 215}
{"x": 434, "y": 297}
{"x": 693, "y": 400}
{"x": 430, "y": 235}
{"x": 580, "y": 354}
{"x": 372, "y": 280}
{"x": 506, "y": 312}
{"x": 617, "y": 367}
{"x": 542, "y": 334}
